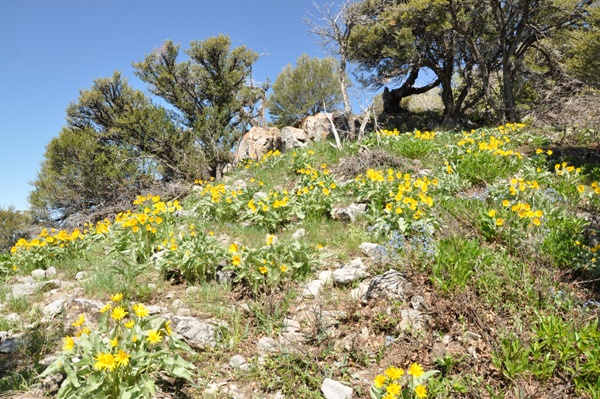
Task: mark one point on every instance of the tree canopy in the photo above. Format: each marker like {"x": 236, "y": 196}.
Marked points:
{"x": 212, "y": 92}
{"x": 306, "y": 89}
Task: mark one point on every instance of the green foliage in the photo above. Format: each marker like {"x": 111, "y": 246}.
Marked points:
{"x": 210, "y": 92}
{"x": 13, "y": 225}
{"x": 266, "y": 267}
{"x": 122, "y": 357}
{"x": 308, "y": 88}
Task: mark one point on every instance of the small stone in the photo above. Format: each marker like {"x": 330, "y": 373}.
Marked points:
{"x": 267, "y": 345}
{"x": 155, "y": 309}
{"x": 81, "y": 275}
{"x": 371, "y": 250}
{"x": 183, "y": 312}
{"x": 192, "y": 290}
{"x": 38, "y": 274}
{"x": 245, "y": 307}
{"x": 152, "y": 286}
{"x": 54, "y": 308}
{"x": 418, "y": 303}
{"x": 313, "y": 289}
{"x": 239, "y": 362}
{"x": 177, "y": 303}
{"x": 326, "y": 276}
{"x": 299, "y": 234}
{"x": 291, "y": 325}
{"x": 26, "y": 280}
{"x": 349, "y": 213}
{"x": 353, "y": 271}
{"x": 51, "y": 272}
{"x": 10, "y": 345}
{"x": 169, "y": 295}
{"x": 197, "y": 333}
{"x": 335, "y": 390}
{"x": 472, "y": 351}
{"x": 471, "y": 337}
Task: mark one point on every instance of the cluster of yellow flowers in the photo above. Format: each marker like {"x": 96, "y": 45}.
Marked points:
{"x": 519, "y": 184}
{"x": 56, "y": 238}
{"x": 116, "y": 356}
{"x": 424, "y": 136}
{"x": 485, "y": 142}
{"x": 564, "y": 169}
{"x": 405, "y": 192}
{"x": 390, "y": 383}
{"x": 273, "y": 199}
{"x": 265, "y": 158}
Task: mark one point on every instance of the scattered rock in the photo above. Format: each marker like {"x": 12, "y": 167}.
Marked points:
{"x": 326, "y": 276}
{"x": 349, "y": 213}
{"x": 54, "y": 308}
{"x": 412, "y": 320}
{"x": 472, "y": 351}
{"x": 335, "y": 390}
{"x": 267, "y": 345}
{"x": 50, "y": 272}
{"x": 391, "y": 285}
{"x": 257, "y": 142}
{"x": 38, "y": 274}
{"x": 183, "y": 312}
{"x": 471, "y": 337}
{"x": 83, "y": 305}
{"x": 156, "y": 309}
{"x": 81, "y": 275}
{"x": 192, "y": 290}
{"x": 359, "y": 292}
{"x": 197, "y": 333}
{"x": 353, "y": 271}
{"x": 177, "y": 303}
{"x": 294, "y": 138}
{"x": 418, "y": 303}
{"x": 299, "y": 234}
{"x": 12, "y": 318}
{"x": 239, "y": 362}
{"x": 317, "y": 127}
{"x": 372, "y": 250}
{"x": 313, "y": 289}
{"x": 12, "y": 344}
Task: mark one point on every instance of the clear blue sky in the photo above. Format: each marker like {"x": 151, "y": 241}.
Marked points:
{"x": 53, "y": 48}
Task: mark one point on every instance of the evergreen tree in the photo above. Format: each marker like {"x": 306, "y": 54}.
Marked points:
{"x": 306, "y": 89}
{"x": 212, "y": 92}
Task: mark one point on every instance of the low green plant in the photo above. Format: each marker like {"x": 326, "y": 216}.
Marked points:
{"x": 194, "y": 254}
{"x": 122, "y": 357}
{"x": 266, "y": 267}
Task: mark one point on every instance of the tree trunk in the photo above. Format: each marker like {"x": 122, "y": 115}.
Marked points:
{"x": 343, "y": 76}
{"x": 508, "y": 94}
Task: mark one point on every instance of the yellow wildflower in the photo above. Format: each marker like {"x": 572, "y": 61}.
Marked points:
{"x": 235, "y": 260}
{"x": 122, "y": 358}
{"x": 393, "y": 389}
{"x": 118, "y": 313}
{"x": 492, "y": 213}
{"x": 106, "y": 308}
{"x": 79, "y": 321}
{"x": 394, "y": 373}
{"x": 154, "y": 337}
{"x": 263, "y": 270}
{"x": 233, "y": 248}
{"x": 129, "y": 324}
{"x": 69, "y": 343}
{"x": 140, "y": 310}
{"x": 421, "y": 391}
{"x": 283, "y": 268}
{"x": 379, "y": 381}
{"x": 415, "y": 370}
{"x": 114, "y": 342}
{"x": 105, "y": 361}
{"x": 116, "y": 297}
